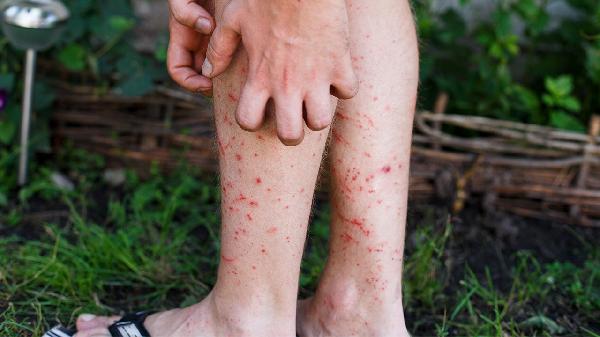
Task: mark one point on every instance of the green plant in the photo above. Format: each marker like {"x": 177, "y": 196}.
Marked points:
{"x": 423, "y": 267}
{"x": 562, "y": 104}
{"x": 491, "y": 69}
{"x": 97, "y": 44}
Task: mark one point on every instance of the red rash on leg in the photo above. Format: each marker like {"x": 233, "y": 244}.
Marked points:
{"x": 376, "y": 250}
{"x": 369, "y": 120}
{"x": 258, "y": 180}
{"x": 222, "y": 147}
{"x": 249, "y": 216}
{"x": 347, "y": 238}
{"x": 232, "y": 97}
{"x": 338, "y": 138}
{"x": 356, "y": 223}
{"x": 226, "y": 120}
{"x": 272, "y": 230}
{"x": 386, "y": 169}
{"x": 238, "y": 157}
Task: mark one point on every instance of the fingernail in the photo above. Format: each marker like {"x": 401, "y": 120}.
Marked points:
{"x": 203, "y": 25}
{"x": 87, "y": 317}
{"x": 207, "y": 68}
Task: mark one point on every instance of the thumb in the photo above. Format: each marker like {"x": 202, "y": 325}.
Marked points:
{"x": 221, "y": 48}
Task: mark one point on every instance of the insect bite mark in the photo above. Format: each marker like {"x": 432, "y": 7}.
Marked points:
{"x": 233, "y": 98}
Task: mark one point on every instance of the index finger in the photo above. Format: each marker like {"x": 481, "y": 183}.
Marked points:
{"x": 181, "y": 62}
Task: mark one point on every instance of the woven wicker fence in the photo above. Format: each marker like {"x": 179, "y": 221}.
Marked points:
{"x": 525, "y": 169}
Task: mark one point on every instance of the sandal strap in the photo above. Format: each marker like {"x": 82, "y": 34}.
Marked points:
{"x": 131, "y": 325}
{"x": 59, "y": 331}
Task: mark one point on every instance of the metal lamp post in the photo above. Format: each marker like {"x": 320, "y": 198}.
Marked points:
{"x": 32, "y": 25}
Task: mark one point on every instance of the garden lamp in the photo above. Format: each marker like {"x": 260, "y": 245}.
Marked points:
{"x": 32, "y": 25}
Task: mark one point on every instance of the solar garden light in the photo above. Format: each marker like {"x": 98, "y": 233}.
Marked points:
{"x": 32, "y": 25}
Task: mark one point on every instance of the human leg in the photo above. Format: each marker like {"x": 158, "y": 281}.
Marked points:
{"x": 267, "y": 190}
{"x": 360, "y": 290}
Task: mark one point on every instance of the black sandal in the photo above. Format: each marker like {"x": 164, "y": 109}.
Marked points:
{"x": 131, "y": 325}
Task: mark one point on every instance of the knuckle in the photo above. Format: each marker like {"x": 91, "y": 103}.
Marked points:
{"x": 177, "y": 12}
{"x": 321, "y": 122}
{"x": 214, "y": 51}
{"x": 246, "y": 120}
{"x": 289, "y": 135}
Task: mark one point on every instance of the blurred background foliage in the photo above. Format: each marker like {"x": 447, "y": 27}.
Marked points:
{"x": 535, "y": 61}
{"x": 521, "y": 61}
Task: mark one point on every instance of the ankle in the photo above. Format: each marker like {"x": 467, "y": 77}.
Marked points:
{"x": 346, "y": 304}
{"x": 246, "y": 317}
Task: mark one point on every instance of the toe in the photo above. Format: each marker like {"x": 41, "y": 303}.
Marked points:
{"x": 88, "y": 322}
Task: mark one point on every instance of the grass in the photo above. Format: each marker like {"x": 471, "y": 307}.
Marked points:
{"x": 153, "y": 243}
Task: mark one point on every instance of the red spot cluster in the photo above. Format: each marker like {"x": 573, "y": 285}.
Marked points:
{"x": 347, "y": 238}
{"x": 374, "y": 250}
{"x": 232, "y": 97}
{"x": 360, "y": 225}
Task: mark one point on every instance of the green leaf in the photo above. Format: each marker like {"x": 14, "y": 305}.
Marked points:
{"x": 7, "y": 81}
{"x": 7, "y": 132}
{"x": 121, "y": 24}
{"x": 43, "y": 95}
{"x": 571, "y": 103}
{"x": 137, "y": 85}
{"x": 73, "y": 57}
{"x": 544, "y": 323}
{"x": 502, "y": 23}
{"x": 111, "y": 28}
{"x": 561, "y": 86}
{"x": 563, "y": 120}
{"x": 592, "y": 63}
{"x": 160, "y": 50}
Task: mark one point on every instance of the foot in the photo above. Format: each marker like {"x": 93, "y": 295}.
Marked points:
{"x": 325, "y": 316}
{"x": 199, "y": 320}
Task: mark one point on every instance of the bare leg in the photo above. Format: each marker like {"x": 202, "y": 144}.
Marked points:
{"x": 360, "y": 292}
{"x": 267, "y": 191}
